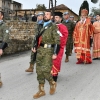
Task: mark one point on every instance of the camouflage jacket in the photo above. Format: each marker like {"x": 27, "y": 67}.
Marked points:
{"x": 38, "y": 27}
{"x": 4, "y": 33}
{"x": 50, "y": 34}
{"x": 70, "y": 25}
{"x": 37, "y": 31}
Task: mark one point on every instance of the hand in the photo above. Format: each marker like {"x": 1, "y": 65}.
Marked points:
{"x": 54, "y": 56}
{"x": 91, "y": 37}
{"x": 1, "y": 52}
{"x": 33, "y": 50}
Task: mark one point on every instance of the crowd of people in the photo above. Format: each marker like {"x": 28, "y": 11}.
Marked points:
{"x": 50, "y": 40}
{"x": 71, "y": 34}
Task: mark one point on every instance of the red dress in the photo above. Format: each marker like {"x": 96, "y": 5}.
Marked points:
{"x": 63, "y": 31}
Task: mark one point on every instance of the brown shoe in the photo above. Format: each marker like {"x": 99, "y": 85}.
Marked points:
{"x": 0, "y": 84}
{"x": 40, "y": 93}
{"x": 70, "y": 52}
{"x": 67, "y": 59}
{"x": 52, "y": 87}
{"x": 30, "y": 69}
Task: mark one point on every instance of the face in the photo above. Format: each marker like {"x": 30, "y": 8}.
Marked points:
{"x": 66, "y": 16}
{"x": 47, "y": 16}
{"x": 40, "y": 17}
{"x": 97, "y": 17}
{"x": 72, "y": 19}
{"x": 57, "y": 19}
{"x": 1, "y": 16}
{"x": 83, "y": 17}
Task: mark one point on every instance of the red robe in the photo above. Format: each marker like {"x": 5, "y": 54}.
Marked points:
{"x": 96, "y": 38}
{"x": 81, "y": 35}
{"x": 63, "y": 31}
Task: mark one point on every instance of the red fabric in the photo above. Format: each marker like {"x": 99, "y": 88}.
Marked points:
{"x": 85, "y": 58}
{"x": 96, "y": 40}
{"x": 40, "y": 39}
{"x": 57, "y": 62}
{"x": 81, "y": 36}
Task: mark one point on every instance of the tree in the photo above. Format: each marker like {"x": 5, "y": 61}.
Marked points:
{"x": 94, "y": 11}
{"x": 40, "y": 7}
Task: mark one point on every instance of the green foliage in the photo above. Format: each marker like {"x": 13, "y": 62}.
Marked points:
{"x": 40, "y": 7}
{"x": 95, "y": 11}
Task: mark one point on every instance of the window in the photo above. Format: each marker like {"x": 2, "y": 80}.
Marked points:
{"x": 9, "y": 4}
{"x": 4, "y": 3}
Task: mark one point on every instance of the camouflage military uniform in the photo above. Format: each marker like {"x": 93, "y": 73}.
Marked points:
{"x": 44, "y": 55}
{"x": 4, "y": 38}
{"x": 47, "y": 44}
{"x": 69, "y": 45}
{"x": 4, "y": 33}
{"x": 37, "y": 31}
{"x": 33, "y": 55}
{"x": 72, "y": 38}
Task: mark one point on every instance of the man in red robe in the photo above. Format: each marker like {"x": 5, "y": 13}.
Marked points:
{"x": 96, "y": 38}
{"x": 63, "y": 32}
{"x": 82, "y": 34}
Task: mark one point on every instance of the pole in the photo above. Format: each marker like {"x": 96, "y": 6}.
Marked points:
{"x": 49, "y": 4}
{"x": 55, "y": 4}
{"x": 52, "y": 8}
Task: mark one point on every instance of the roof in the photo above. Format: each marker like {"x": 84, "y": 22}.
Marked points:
{"x": 14, "y": 2}
{"x": 59, "y": 7}
{"x": 63, "y": 7}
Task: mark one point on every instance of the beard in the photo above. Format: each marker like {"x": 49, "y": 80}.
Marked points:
{"x": 57, "y": 22}
{"x": 46, "y": 20}
{"x": 82, "y": 19}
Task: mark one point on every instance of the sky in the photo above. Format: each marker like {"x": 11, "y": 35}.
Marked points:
{"x": 72, "y": 4}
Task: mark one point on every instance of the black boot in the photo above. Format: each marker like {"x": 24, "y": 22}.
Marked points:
{"x": 55, "y": 78}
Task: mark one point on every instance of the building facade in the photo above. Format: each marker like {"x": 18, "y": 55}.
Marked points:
{"x": 8, "y": 6}
{"x": 62, "y": 8}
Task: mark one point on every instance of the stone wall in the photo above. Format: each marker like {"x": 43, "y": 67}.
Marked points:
{"x": 21, "y": 35}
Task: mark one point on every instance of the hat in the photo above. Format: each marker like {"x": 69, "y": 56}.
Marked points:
{"x": 40, "y": 13}
{"x": 65, "y": 13}
{"x": 60, "y": 14}
{"x": 84, "y": 11}
{"x": 71, "y": 16}
{"x": 84, "y": 5}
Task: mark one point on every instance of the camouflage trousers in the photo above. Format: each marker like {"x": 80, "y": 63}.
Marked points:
{"x": 72, "y": 43}
{"x": 44, "y": 65}
{"x": 32, "y": 58}
{"x": 69, "y": 46}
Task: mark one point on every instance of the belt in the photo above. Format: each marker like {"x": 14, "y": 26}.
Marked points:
{"x": 47, "y": 45}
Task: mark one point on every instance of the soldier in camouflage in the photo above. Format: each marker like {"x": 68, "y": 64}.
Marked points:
{"x": 70, "y": 25}
{"x": 48, "y": 48}
{"x": 39, "y": 26}
{"x": 72, "y": 19}
{"x": 4, "y": 37}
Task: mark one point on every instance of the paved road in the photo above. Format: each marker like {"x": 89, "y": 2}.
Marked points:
{"x": 75, "y": 82}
